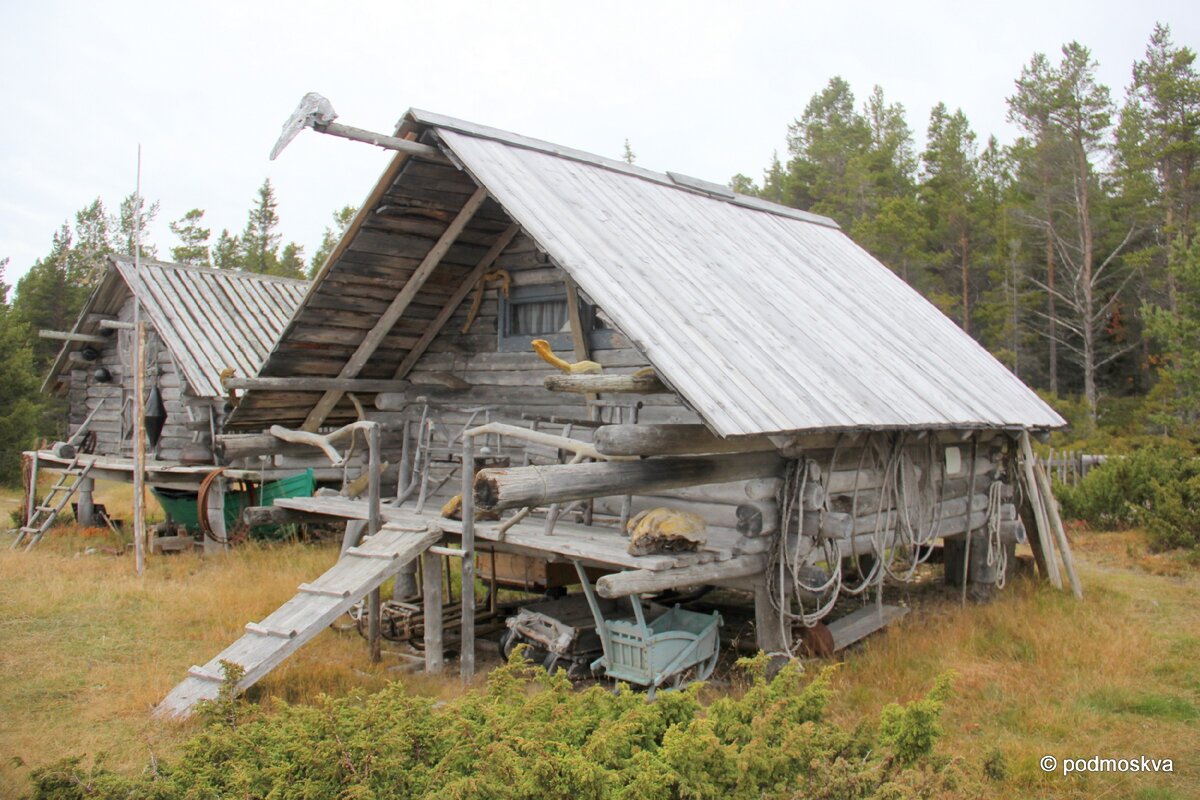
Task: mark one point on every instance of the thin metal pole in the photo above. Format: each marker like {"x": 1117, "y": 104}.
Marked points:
{"x": 466, "y": 661}
{"x": 139, "y": 385}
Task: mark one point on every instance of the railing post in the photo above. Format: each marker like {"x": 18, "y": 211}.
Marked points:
{"x": 467, "y": 657}
{"x": 374, "y": 606}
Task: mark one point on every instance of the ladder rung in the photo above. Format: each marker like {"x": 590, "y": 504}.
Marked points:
{"x": 261, "y": 630}
{"x": 308, "y": 588}
{"x": 204, "y": 675}
{"x": 44, "y": 508}
{"x": 30, "y": 530}
{"x": 354, "y": 551}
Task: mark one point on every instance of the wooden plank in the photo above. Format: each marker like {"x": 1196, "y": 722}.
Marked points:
{"x": 860, "y": 624}
{"x": 82, "y": 338}
{"x": 455, "y": 300}
{"x": 312, "y": 384}
{"x": 673, "y": 440}
{"x": 373, "y": 339}
{"x": 313, "y": 609}
{"x": 644, "y": 581}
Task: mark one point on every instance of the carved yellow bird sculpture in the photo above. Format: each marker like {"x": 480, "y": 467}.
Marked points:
{"x": 542, "y": 348}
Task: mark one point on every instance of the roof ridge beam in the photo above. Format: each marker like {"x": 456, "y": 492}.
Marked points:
{"x": 370, "y": 343}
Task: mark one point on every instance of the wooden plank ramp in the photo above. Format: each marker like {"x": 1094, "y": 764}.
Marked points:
{"x": 862, "y": 623}
{"x": 316, "y": 605}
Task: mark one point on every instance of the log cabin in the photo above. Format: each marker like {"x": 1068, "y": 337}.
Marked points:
{"x": 201, "y": 325}
{"x": 708, "y": 352}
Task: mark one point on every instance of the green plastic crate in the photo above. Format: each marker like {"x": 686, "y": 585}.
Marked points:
{"x": 180, "y": 505}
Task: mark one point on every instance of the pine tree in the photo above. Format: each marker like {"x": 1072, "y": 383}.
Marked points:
{"x": 260, "y": 239}
{"x": 341, "y": 222}
{"x": 1178, "y": 331}
{"x": 1071, "y": 113}
{"x": 193, "y": 238}
{"x": 227, "y": 252}
{"x": 949, "y": 194}
{"x": 132, "y": 221}
{"x": 91, "y": 244}
{"x": 49, "y": 296}
{"x": 291, "y": 262}
{"x": 19, "y": 408}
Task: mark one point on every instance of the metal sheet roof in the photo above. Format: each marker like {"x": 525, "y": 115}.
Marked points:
{"x": 210, "y": 319}
{"x": 763, "y": 318}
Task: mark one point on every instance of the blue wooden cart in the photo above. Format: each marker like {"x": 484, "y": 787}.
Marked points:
{"x": 678, "y": 646}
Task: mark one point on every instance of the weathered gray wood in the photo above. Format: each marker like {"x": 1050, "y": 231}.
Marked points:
{"x": 860, "y": 624}
{"x": 86, "y": 508}
{"x": 758, "y": 518}
{"x": 310, "y": 384}
{"x": 382, "y": 140}
{"x": 396, "y": 308}
{"x": 772, "y": 633}
{"x": 81, "y": 338}
{"x": 431, "y": 576}
{"x": 534, "y": 486}
{"x": 606, "y": 384}
{"x": 644, "y": 581}
{"x": 673, "y": 440}
{"x": 310, "y": 612}
{"x": 452, "y": 304}
{"x": 1060, "y": 535}
{"x": 274, "y": 515}
{"x": 1045, "y": 537}
{"x": 466, "y": 659}
{"x": 215, "y": 505}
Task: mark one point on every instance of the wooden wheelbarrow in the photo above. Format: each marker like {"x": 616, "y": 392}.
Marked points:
{"x": 678, "y": 646}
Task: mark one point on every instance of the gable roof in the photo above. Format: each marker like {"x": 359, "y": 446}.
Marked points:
{"x": 209, "y": 319}
{"x": 765, "y": 319}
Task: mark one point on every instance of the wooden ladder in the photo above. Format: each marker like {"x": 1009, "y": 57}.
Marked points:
{"x": 43, "y": 516}
{"x": 360, "y": 570}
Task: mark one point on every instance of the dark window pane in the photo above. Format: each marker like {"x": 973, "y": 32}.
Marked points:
{"x": 539, "y": 317}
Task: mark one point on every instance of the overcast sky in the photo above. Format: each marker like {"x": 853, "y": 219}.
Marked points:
{"x": 704, "y": 88}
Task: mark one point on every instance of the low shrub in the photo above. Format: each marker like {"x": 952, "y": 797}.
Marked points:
{"x": 532, "y": 735}
{"x": 1157, "y": 487}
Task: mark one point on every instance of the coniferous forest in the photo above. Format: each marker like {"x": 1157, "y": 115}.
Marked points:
{"x": 1070, "y": 252}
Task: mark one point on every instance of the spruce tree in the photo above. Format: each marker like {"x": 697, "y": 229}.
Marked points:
{"x": 19, "y": 397}
{"x": 260, "y": 239}
{"x": 341, "y": 222}
{"x": 227, "y": 252}
{"x": 291, "y": 262}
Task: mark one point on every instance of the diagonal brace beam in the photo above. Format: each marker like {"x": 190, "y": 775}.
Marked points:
{"x": 388, "y": 319}
{"x": 455, "y": 301}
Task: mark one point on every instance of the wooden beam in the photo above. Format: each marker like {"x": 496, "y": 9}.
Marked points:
{"x": 306, "y": 384}
{"x": 642, "y": 581}
{"x": 541, "y": 485}
{"x": 603, "y": 384}
{"x": 673, "y": 440}
{"x": 82, "y": 338}
{"x": 382, "y": 140}
{"x": 455, "y": 301}
{"x": 387, "y": 320}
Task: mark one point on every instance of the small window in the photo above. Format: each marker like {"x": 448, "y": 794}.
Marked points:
{"x": 540, "y": 312}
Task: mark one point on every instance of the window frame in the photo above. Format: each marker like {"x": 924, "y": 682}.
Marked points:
{"x": 509, "y": 342}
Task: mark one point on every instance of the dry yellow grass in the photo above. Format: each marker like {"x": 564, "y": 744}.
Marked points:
{"x": 87, "y": 648}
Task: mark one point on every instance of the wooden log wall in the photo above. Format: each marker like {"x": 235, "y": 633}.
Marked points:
{"x": 110, "y": 426}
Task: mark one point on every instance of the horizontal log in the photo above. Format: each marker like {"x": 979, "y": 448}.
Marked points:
{"x": 235, "y": 446}
{"x": 82, "y": 338}
{"x": 673, "y": 440}
{"x": 542, "y": 485}
{"x": 308, "y": 384}
{"x": 639, "y": 581}
{"x": 382, "y": 140}
{"x": 606, "y": 384}
{"x": 273, "y": 515}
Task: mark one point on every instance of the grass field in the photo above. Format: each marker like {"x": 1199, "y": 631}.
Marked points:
{"x": 87, "y": 648}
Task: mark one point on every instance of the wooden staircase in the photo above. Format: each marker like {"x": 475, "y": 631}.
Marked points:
{"x": 316, "y": 605}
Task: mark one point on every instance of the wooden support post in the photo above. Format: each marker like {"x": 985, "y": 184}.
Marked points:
{"x": 1039, "y": 513}
{"x": 431, "y": 575}
{"x": 770, "y": 631}
{"x": 466, "y": 659}
{"x": 215, "y": 505}
{"x": 86, "y": 516}
{"x": 1060, "y": 534}
{"x": 374, "y": 512}
{"x": 31, "y": 499}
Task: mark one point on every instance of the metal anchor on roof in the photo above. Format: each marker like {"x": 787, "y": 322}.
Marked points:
{"x": 316, "y": 112}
